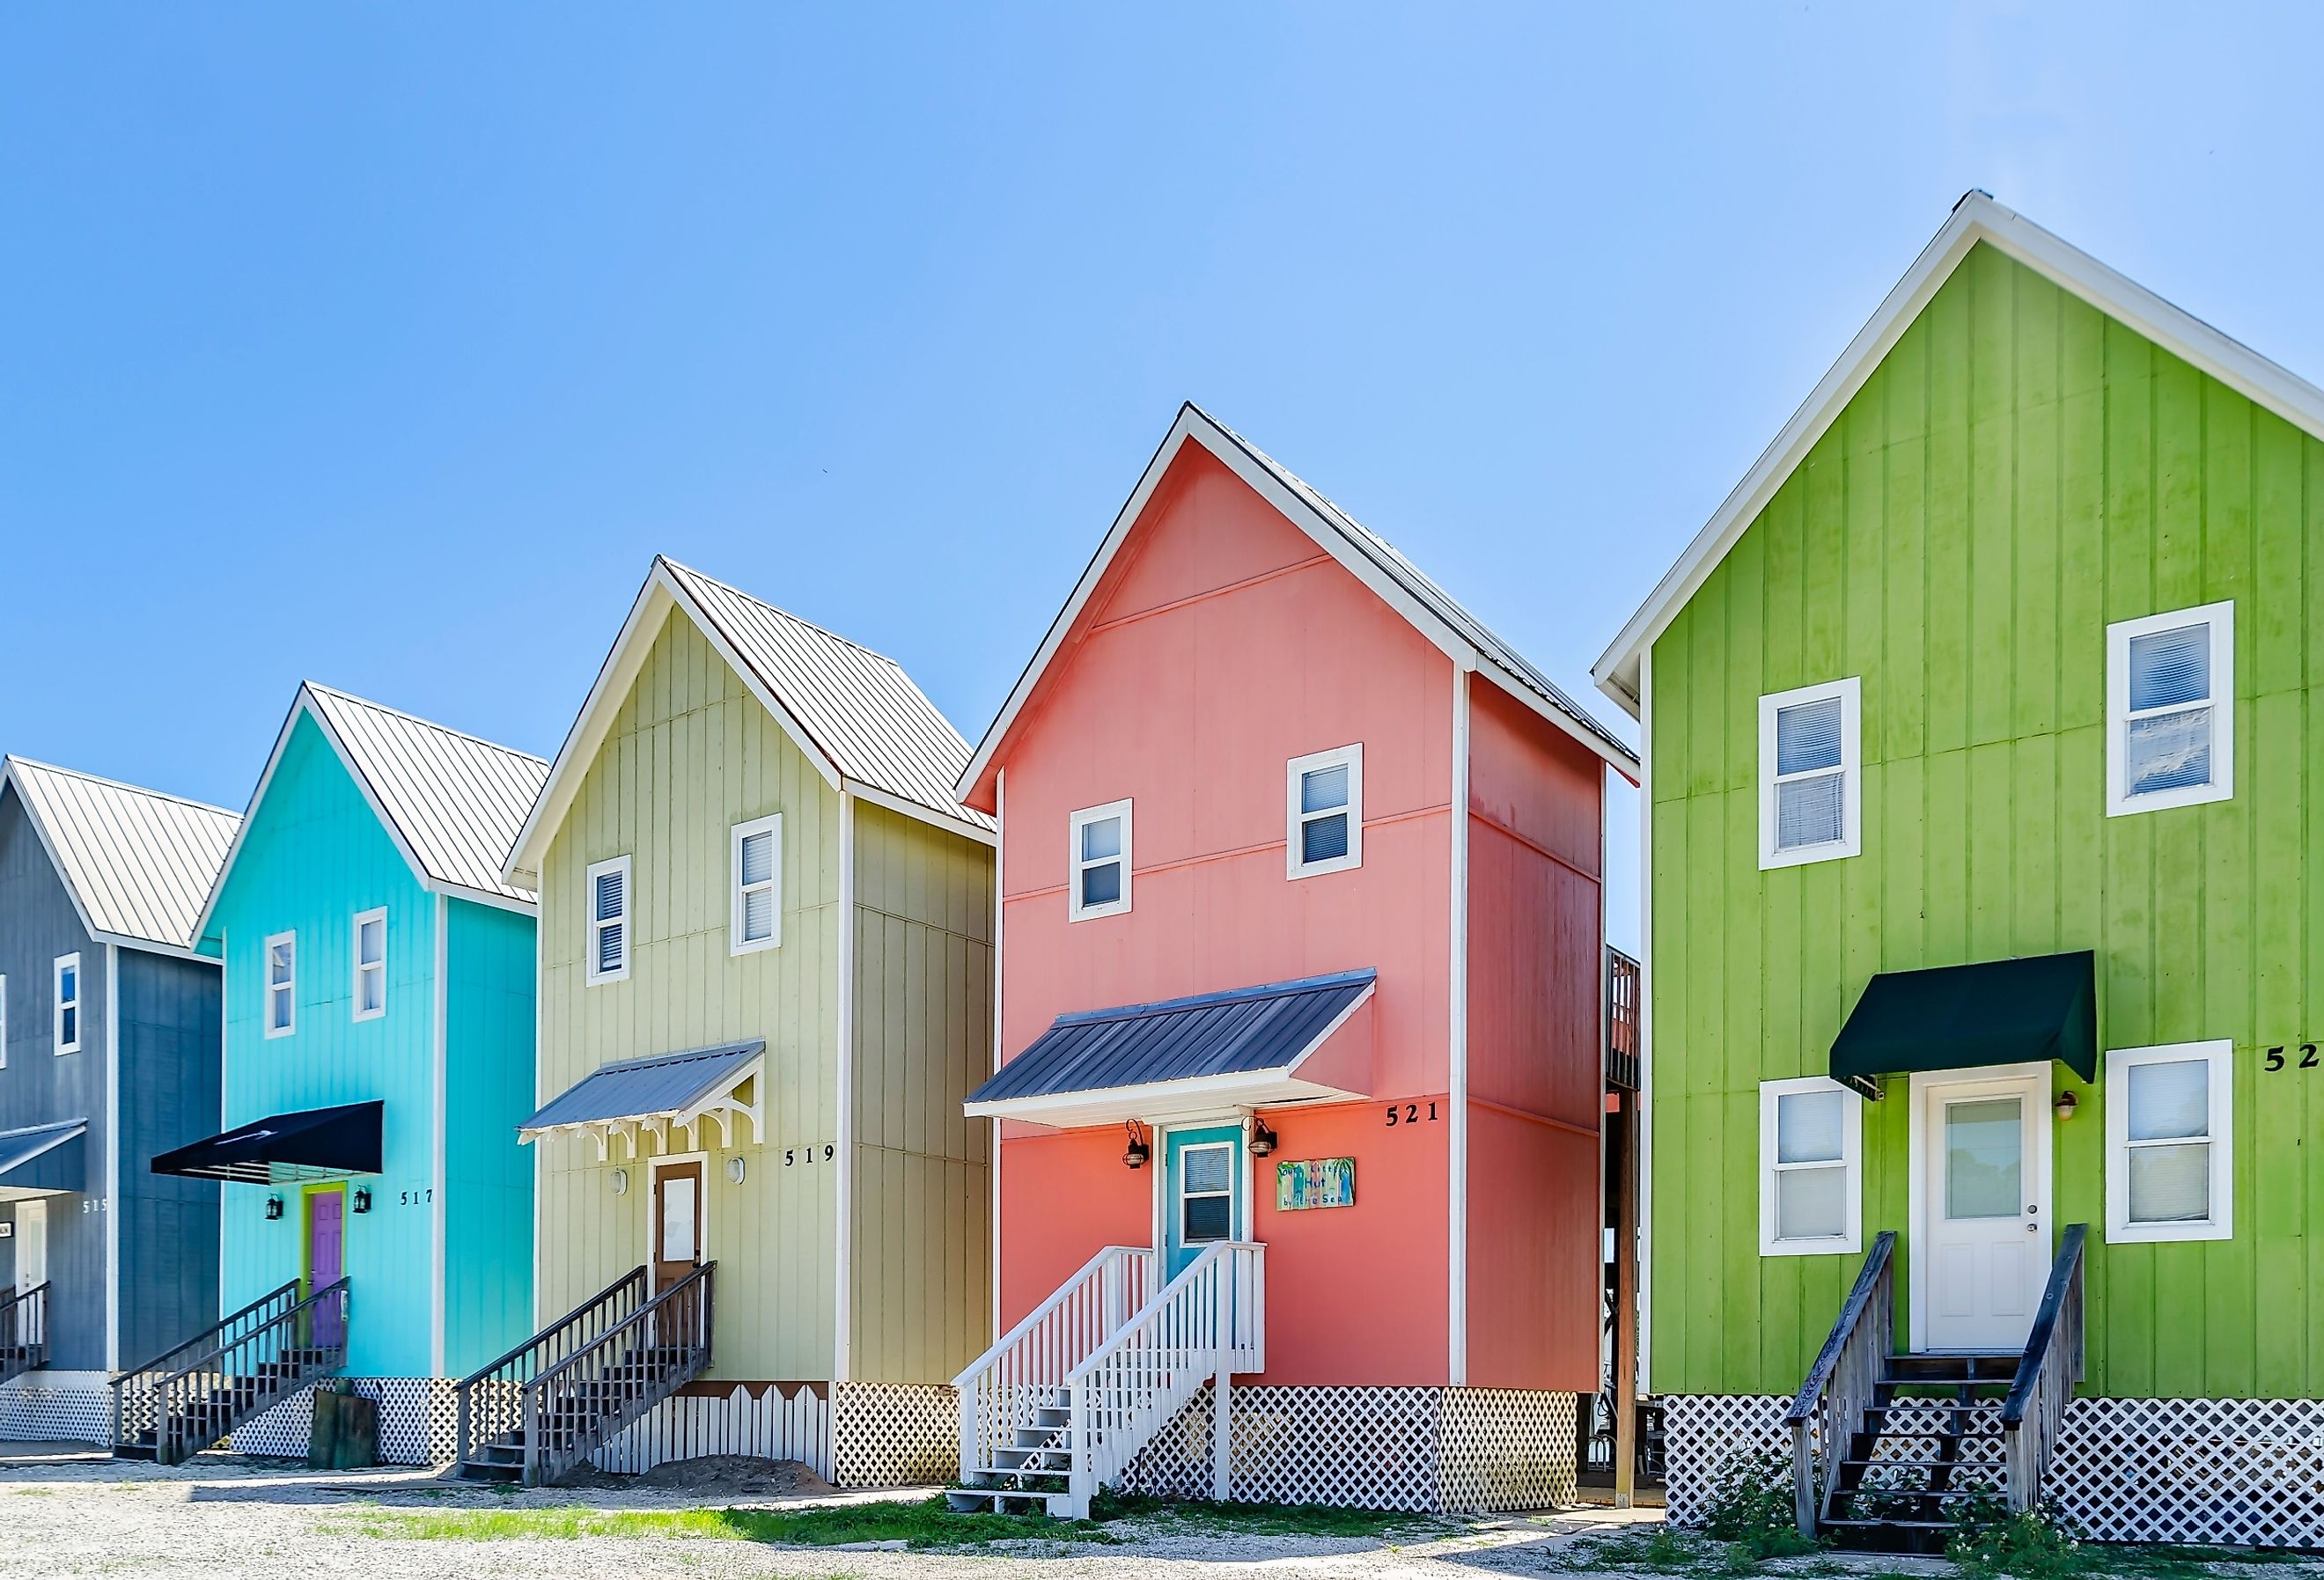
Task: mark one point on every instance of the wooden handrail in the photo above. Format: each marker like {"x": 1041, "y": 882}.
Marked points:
{"x": 2069, "y": 1262}
{"x": 636, "y": 1275}
{"x": 642, "y": 1315}
{"x": 566, "y": 1410}
{"x": 2035, "y": 1410}
{"x": 268, "y": 1298}
{"x": 329, "y": 1292}
{"x": 1057, "y": 1298}
{"x": 1846, "y": 1371}
{"x": 1851, "y": 1312}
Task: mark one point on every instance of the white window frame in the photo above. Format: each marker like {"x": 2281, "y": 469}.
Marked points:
{"x": 1851, "y": 693}
{"x": 591, "y": 925}
{"x": 1851, "y": 1159}
{"x": 267, "y": 988}
{"x": 2221, "y": 619}
{"x": 355, "y": 952}
{"x": 1294, "y": 820}
{"x": 736, "y": 943}
{"x": 1074, "y": 909}
{"x": 2220, "y": 1054}
{"x": 78, "y": 1002}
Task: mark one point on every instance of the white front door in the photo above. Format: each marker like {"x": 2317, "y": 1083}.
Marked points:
{"x": 32, "y": 1244}
{"x": 1985, "y": 1212}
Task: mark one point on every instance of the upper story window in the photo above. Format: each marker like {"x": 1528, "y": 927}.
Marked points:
{"x": 1098, "y": 865}
{"x": 1324, "y": 808}
{"x": 2171, "y": 709}
{"x": 2170, "y": 1142}
{"x": 281, "y": 1007}
{"x": 756, "y": 920}
{"x": 371, "y": 965}
{"x": 68, "y": 1000}
{"x": 608, "y": 899}
{"x": 1811, "y": 772}
{"x": 1811, "y": 1144}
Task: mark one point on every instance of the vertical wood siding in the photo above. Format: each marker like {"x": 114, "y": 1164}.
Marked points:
{"x": 2018, "y": 473}
{"x": 690, "y": 755}
{"x": 922, "y": 1258}
{"x": 168, "y": 1232}
{"x": 488, "y": 1070}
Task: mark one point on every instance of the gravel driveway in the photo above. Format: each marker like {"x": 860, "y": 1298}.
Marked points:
{"x": 71, "y": 1513}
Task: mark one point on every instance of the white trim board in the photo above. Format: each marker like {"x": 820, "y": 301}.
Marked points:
{"x": 1976, "y": 219}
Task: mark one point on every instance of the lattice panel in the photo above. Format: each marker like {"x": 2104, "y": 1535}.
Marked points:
{"x": 2218, "y": 1470}
{"x": 1356, "y": 1447}
{"x": 56, "y": 1407}
{"x": 764, "y": 1420}
{"x": 1703, "y": 1431}
{"x": 1506, "y": 1449}
{"x": 418, "y": 1419}
{"x": 894, "y": 1435}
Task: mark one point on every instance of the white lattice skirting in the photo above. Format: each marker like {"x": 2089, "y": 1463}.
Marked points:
{"x": 417, "y": 1421}
{"x": 2247, "y": 1471}
{"x": 1429, "y": 1449}
{"x": 757, "y": 1420}
{"x": 894, "y": 1434}
{"x": 56, "y": 1407}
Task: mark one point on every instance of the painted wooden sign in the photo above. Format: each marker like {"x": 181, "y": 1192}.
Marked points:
{"x": 1317, "y": 1182}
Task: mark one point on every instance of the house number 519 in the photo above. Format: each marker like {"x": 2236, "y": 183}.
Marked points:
{"x": 2276, "y": 1060}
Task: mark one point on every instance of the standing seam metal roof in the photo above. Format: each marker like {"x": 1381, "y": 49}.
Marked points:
{"x": 139, "y": 863}
{"x": 669, "y": 1082}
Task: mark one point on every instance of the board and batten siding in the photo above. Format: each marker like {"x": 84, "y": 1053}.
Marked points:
{"x": 921, "y": 1253}
{"x": 2019, "y": 472}
{"x": 488, "y": 1022}
{"x": 689, "y": 754}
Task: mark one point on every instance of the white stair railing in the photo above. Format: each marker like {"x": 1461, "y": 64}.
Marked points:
{"x": 1209, "y": 1322}
{"x": 1004, "y": 1387}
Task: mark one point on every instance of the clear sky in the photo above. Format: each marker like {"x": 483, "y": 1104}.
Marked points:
{"x": 385, "y": 345}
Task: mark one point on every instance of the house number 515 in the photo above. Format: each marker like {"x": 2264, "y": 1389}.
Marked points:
{"x": 2276, "y": 1060}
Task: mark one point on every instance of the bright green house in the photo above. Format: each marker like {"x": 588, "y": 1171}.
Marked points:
{"x": 1986, "y": 920}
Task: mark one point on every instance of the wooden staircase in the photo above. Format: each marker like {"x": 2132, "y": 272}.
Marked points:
{"x": 1889, "y": 1450}
{"x": 539, "y": 1410}
{"x": 23, "y": 1330}
{"x": 196, "y": 1394}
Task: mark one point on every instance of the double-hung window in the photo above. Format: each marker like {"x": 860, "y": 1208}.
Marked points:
{"x": 1811, "y": 773}
{"x": 1323, "y": 812}
{"x": 282, "y": 999}
{"x": 608, "y": 899}
{"x": 1810, "y": 1142}
{"x": 1098, "y": 863}
{"x": 2171, "y": 709}
{"x": 2170, "y": 1142}
{"x": 67, "y": 1001}
{"x": 370, "y": 963}
{"x": 755, "y": 918}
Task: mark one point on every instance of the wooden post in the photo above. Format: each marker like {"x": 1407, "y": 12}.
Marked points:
{"x": 1221, "y": 1406}
{"x": 1622, "y": 1140}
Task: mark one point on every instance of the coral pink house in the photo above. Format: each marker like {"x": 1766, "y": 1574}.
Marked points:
{"x": 1300, "y": 1023}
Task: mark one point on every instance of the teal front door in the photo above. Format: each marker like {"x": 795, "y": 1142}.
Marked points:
{"x": 1203, "y": 1191}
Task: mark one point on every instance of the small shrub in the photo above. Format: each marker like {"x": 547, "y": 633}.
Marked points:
{"x": 1750, "y": 1510}
{"x": 2040, "y": 1544}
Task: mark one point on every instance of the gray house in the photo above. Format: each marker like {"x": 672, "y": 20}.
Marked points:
{"x": 108, "y": 1054}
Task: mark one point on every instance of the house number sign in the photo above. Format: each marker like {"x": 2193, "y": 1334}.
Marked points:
{"x": 2277, "y": 1059}
{"x": 1319, "y": 1182}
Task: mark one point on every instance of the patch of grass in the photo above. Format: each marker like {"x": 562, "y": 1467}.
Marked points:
{"x": 928, "y": 1524}
{"x": 1206, "y": 1519}
{"x": 1659, "y": 1551}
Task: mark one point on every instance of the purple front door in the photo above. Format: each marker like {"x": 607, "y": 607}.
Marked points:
{"x": 327, "y": 1260}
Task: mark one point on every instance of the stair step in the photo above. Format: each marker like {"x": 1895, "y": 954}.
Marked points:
{"x": 1927, "y": 1463}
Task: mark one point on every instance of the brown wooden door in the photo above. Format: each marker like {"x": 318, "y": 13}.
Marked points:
{"x": 677, "y": 1222}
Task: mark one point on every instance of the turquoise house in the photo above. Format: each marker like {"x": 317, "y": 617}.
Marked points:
{"x": 378, "y": 1057}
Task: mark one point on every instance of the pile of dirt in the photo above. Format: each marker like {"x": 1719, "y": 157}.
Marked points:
{"x": 713, "y": 1476}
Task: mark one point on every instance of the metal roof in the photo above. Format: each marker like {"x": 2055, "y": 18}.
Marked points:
{"x": 42, "y": 1157}
{"x": 647, "y": 1088}
{"x": 862, "y": 712}
{"x": 138, "y": 863}
{"x": 1237, "y": 1032}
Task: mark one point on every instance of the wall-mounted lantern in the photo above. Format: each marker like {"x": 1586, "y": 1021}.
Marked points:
{"x": 620, "y": 1182}
{"x": 273, "y": 1208}
{"x": 363, "y": 1199}
{"x": 735, "y": 1170}
{"x": 1262, "y": 1139}
{"x": 2067, "y": 1104}
{"x": 1137, "y": 1151}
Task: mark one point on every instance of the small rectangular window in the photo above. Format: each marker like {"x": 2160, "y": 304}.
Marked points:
{"x": 67, "y": 1001}
{"x": 1323, "y": 812}
{"x": 608, "y": 930}
{"x": 2171, "y": 709}
{"x": 371, "y": 965}
{"x": 1810, "y": 1138}
{"x": 2170, "y": 1142}
{"x": 1205, "y": 1195}
{"x": 756, "y": 857}
{"x": 1811, "y": 763}
{"x": 281, "y": 1006}
{"x": 1098, "y": 863}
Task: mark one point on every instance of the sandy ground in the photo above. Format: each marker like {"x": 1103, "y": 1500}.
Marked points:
{"x": 71, "y": 1513}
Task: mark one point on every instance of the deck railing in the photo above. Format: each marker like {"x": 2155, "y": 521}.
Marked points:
{"x": 1621, "y": 1021}
{"x": 1028, "y": 1368}
{"x": 1839, "y": 1385}
{"x": 209, "y": 1394}
{"x": 1208, "y": 1321}
{"x": 566, "y": 1410}
{"x": 489, "y": 1400}
{"x": 2036, "y": 1406}
{"x": 136, "y": 1399}
{"x": 23, "y": 1328}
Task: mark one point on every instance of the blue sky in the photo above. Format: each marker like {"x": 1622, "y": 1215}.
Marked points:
{"x": 386, "y": 344}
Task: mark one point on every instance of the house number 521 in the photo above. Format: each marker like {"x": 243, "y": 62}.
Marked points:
{"x": 2276, "y": 1060}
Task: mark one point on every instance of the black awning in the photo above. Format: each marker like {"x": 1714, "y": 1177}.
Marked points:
{"x": 1959, "y": 1016}
{"x": 283, "y": 1148}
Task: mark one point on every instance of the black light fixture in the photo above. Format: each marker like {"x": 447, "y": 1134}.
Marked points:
{"x": 273, "y": 1208}
{"x": 1262, "y": 1139}
{"x": 1137, "y": 1151}
{"x": 363, "y": 1199}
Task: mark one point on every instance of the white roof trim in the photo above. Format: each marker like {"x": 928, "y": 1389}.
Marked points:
{"x": 721, "y": 1102}
{"x": 1197, "y": 426}
{"x": 98, "y": 935}
{"x": 1976, "y": 219}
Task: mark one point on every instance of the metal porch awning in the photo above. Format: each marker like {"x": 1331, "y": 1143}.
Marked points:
{"x": 2035, "y": 1009}
{"x": 287, "y": 1149}
{"x": 1247, "y": 1047}
{"x": 41, "y": 1159}
{"x": 670, "y": 1091}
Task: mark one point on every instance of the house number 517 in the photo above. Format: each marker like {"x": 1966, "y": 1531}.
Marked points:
{"x": 2276, "y": 1060}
